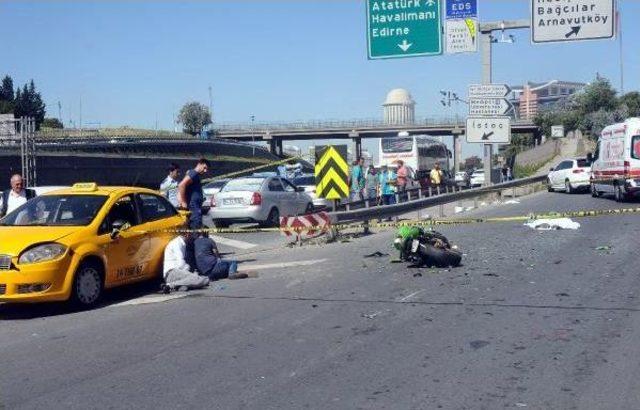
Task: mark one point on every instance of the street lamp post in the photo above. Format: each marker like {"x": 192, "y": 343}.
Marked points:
{"x": 253, "y": 139}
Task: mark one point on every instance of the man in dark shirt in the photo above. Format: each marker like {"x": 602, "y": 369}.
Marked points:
{"x": 190, "y": 195}
{"x": 209, "y": 262}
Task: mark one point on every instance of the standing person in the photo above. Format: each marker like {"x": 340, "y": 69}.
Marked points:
{"x": 190, "y": 195}
{"x": 509, "y": 174}
{"x": 504, "y": 173}
{"x": 176, "y": 270}
{"x": 402, "y": 178}
{"x": 356, "y": 180}
{"x": 209, "y": 262}
{"x": 387, "y": 180}
{"x": 436, "y": 175}
{"x": 169, "y": 187}
{"x": 371, "y": 183}
{"x": 16, "y": 196}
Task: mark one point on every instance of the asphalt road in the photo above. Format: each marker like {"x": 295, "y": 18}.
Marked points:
{"x": 534, "y": 319}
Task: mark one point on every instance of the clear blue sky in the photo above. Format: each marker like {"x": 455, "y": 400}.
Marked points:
{"x": 278, "y": 60}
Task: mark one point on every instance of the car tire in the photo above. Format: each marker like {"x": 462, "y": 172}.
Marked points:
{"x": 309, "y": 209}
{"x": 549, "y": 188}
{"x": 221, "y": 224}
{"x": 439, "y": 257}
{"x": 88, "y": 284}
{"x": 273, "y": 220}
{"x": 567, "y": 187}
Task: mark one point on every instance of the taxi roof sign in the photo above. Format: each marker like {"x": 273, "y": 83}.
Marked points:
{"x": 85, "y": 187}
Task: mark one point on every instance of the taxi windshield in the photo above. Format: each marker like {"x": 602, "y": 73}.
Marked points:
{"x": 56, "y": 210}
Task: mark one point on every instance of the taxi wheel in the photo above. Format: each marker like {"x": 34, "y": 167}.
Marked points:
{"x": 87, "y": 285}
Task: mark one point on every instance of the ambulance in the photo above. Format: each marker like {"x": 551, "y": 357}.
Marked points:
{"x": 616, "y": 161}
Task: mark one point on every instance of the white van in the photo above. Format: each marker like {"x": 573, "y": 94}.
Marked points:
{"x": 616, "y": 162}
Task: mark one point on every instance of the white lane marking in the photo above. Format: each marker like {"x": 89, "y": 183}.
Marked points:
{"x": 411, "y": 295}
{"x": 233, "y": 242}
{"x": 281, "y": 265}
{"x": 144, "y": 300}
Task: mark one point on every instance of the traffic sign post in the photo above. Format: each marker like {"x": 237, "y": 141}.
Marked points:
{"x": 403, "y": 28}
{"x": 332, "y": 172}
{"x": 557, "y": 131}
{"x": 570, "y": 20}
{"x": 488, "y": 130}
{"x": 488, "y": 107}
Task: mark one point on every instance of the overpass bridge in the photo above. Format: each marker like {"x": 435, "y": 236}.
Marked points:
{"x": 275, "y": 133}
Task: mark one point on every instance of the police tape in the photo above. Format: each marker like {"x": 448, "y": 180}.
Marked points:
{"x": 410, "y": 222}
{"x": 244, "y": 171}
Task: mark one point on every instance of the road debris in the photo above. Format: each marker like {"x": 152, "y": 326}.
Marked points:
{"x": 603, "y": 248}
{"x": 552, "y": 224}
{"x": 511, "y": 202}
{"x": 371, "y": 315}
{"x": 376, "y": 254}
{"x": 478, "y": 344}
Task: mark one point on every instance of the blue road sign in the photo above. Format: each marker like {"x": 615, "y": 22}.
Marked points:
{"x": 460, "y": 9}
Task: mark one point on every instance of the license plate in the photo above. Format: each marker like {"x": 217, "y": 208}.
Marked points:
{"x": 414, "y": 245}
{"x": 232, "y": 201}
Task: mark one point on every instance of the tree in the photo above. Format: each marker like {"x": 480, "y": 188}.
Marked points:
{"x": 194, "y": 117}
{"x": 28, "y": 103}
{"x": 597, "y": 95}
{"x": 632, "y": 102}
{"x": 6, "y": 95}
{"x": 52, "y": 123}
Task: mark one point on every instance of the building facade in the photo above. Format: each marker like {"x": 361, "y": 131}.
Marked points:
{"x": 530, "y": 98}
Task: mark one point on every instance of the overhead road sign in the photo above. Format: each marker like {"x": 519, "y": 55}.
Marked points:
{"x": 570, "y": 20}
{"x": 488, "y": 90}
{"x": 461, "y": 9}
{"x": 488, "y": 130}
{"x": 332, "y": 172}
{"x": 461, "y": 26}
{"x": 489, "y": 107}
{"x": 403, "y": 28}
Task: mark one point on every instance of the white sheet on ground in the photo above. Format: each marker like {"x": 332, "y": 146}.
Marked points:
{"x": 552, "y": 224}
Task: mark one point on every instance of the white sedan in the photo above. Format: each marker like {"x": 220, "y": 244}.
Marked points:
{"x": 569, "y": 176}
{"x": 308, "y": 182}
{"x": 477, "y": 178}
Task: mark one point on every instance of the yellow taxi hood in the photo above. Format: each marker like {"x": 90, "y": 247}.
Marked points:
{"x": 15, "y": 239}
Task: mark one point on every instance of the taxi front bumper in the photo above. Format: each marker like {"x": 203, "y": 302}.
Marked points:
{"x": 37, "y": 282}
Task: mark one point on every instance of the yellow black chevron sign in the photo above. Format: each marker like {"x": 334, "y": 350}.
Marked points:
{"x": 332, "y": 172}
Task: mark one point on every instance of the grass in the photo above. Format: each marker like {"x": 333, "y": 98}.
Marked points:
{"x": 523, "y": 171}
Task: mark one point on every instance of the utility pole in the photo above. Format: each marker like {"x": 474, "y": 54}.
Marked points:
{"x": 211, "y": 103}
{"x": 60, "y": 112}
{"x": 485, "y": 50}
{"x": 619, "y": 26}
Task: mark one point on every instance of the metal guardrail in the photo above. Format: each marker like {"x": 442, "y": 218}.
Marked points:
{"x": 386, "y": 211}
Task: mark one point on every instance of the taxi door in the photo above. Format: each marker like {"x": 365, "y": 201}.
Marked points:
{"x": 161, "y": 220}
{"x": 127, "y": 252}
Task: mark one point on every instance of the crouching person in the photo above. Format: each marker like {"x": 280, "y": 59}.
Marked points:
{"x": 209, "y": 262}
{"x": 177, "y": 272}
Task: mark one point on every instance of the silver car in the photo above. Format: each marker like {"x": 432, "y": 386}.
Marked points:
{"x": 258, "y": 199}
{"x": 209, "y": 190}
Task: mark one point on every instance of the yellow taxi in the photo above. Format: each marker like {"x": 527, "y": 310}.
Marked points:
{"x": 72, "y": 243}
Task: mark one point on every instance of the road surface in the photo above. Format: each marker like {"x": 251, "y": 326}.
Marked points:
{"x": 534, "y": 319}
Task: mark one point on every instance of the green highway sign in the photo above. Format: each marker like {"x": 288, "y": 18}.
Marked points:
{"x": 403, "y": 28}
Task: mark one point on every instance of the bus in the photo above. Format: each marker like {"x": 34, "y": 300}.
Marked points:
{"x": 419, "y": 152}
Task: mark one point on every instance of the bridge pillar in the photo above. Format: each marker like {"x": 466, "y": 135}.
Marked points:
{"x": 279, "y": 150}
{"x": 357, "y": 144}
{"x": 457, "y": 149}
{"x": 272, "y": 146}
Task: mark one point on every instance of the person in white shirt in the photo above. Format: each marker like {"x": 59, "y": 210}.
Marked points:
{"x": 177, "y": 272}
{"x": 16, "y": 196}
{"x": 169, "y": 187}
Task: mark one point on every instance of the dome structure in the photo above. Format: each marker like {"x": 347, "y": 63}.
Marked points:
{"x": 399, "y": 107}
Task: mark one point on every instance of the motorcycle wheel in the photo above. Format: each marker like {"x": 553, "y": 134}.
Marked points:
{"x": 440, "y": 257}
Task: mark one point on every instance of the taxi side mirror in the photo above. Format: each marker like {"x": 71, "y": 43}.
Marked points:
{"x": 116, "y": 227}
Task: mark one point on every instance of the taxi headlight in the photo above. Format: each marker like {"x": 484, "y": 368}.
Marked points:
{"x": 42, "y": 253}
